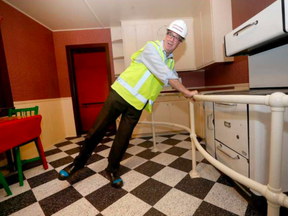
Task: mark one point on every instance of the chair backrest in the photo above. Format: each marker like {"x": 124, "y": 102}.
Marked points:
{"x": 24, "y": 111}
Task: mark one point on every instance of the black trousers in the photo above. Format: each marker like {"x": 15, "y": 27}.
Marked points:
{"x": 114, "y": 106}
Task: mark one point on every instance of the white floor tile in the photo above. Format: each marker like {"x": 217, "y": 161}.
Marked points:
{"x": 184, "y": 144}
{"x": 104, "y": 153}
{"x": 136, "y": 141}
{"x": 109, "y": 144}
{"x": 49, "y": 188}
{"x": 36, "y": 171}
{"x": 133, "y": 162}
{"x": 164, "y": 158}
{"x": 162, "y": 147}
{"x": 158, "y": 139}
{"x": 169, "y": 176}
{"x": 176, "y": 203}
{"x": 80, "y": 207}
{"x": 99, "y": 165}
{"x": 67, "y": 147}
{"x": 135, "y": 150}
{"x": 207, "y": 171}
{"x": 128, "y": 205}
{"x": 77, "y": 139}
{"x": 227, "y": 198}
{"x": 90, "y": 184}
{"x": 31, "y": 210}
{"x": 57, "y": 156}
{"x": 180, "y": 137}
{"x": 188, "y": 155}
{"x": 133, "y": 179}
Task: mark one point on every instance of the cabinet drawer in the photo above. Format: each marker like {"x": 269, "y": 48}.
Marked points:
{"x": 264, "y": 28}
{"x": 232, "y": 159}
{"x": 231, "y": 126}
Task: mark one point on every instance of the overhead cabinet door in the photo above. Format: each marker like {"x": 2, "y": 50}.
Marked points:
{"x": 260, "y": 32}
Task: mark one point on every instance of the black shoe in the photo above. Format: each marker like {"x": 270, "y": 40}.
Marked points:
{"x": 114, "y": 179}
{"x": 68, "y": 171}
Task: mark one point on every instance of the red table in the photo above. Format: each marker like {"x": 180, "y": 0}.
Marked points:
{"x": 15, "y": 131}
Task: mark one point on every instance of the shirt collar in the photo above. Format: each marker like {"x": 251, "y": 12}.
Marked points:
{"x": 171, "y": 54}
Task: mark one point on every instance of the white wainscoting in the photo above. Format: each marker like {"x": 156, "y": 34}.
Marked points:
{"x": 57, "y": 122}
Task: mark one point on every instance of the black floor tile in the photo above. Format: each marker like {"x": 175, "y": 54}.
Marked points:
{"x": 154, "y": 212}
{"x": 151, "y": 191}
{"x": 42, "y": 178}
{"x": 80, "y": 175}
{"x": 207, "y": 209}
{"x": 225, "y": 180}
{"x": 182, "y": 164}
{"x": 177, "y": 151}
{"x": 148, "y": 154}
{"x": 105, "y": 140}
{"x": 60, "y": 162}
{"x": 51, "y": 152}
{"x": 105, "y": 196}
{"x": 171, "y": 141}
{"x": 100, "y": 148}
{"x": 73, "y": 151}
{"x": 198, "y": 187}
{"x": 12, "y": 179}
{"x": 94, "y": 158}
{"x": 31, "y": 165}
{"x": 64, "y": 143}
{"x": 59, "y": 200}
{"x": 146, "y": 144}
{"x": 149, "y": 168}
{"x": 16, "y": 203}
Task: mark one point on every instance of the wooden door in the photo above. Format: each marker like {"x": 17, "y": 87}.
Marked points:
{"x": 92, "y": 85}
{"x": 90, "y": 80}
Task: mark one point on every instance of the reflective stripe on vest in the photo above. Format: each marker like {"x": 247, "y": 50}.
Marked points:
{"x": 132, "y": 90}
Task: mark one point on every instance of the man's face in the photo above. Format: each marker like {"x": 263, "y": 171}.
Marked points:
{"x": 171, "y": 42}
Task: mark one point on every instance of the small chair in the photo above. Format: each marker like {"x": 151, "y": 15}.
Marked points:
{"x": 26, "y": 112}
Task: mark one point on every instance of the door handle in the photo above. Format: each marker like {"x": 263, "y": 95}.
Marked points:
{"x": 221, "y": 150}
{"x": 227, "y": 124}
{"x": 227, "y": 104}
{"x": 208, "y": 121}
{"x": 245, "y": 27}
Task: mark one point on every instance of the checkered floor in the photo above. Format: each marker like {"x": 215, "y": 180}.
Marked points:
{"x": 155, "y": 183}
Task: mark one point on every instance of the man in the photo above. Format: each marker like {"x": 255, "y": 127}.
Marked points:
{"x": 136, "y": 88}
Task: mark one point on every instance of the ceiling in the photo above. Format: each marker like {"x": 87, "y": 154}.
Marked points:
{"x": 59, "y": 15}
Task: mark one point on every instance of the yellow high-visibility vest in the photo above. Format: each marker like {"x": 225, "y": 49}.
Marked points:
{"x": 137, "y": 85}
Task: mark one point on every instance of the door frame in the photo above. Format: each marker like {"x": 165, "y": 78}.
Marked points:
{"x": 70, "y": 49}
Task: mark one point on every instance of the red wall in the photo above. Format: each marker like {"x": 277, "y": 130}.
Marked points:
{"x": 62, "y": 39}
{"x": 30, "y": 56}
{"x": 237, "y": 72}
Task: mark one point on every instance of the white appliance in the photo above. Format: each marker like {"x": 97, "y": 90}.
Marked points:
{"x": 242, "y": 131}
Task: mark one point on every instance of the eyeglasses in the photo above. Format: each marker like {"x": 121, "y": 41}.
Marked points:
{"x": 177, "y": 38}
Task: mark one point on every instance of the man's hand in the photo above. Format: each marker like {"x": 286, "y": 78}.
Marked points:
{"x": 190, "y": 94}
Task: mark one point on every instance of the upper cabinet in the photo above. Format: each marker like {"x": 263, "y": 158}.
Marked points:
{"x": 117, "y": 49}
{"x": 137, "y": 33}
{"x": 212, "y": 21}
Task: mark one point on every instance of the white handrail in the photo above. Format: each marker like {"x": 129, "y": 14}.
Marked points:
{"x": 272, "y": 192}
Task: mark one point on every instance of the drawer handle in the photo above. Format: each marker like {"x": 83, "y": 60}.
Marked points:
{"x": 227, "y": 104}
{"x": 227, "y": 124}
{"x": 208, "y": 121}
{"x": 221, "y": 150}
{"x": 245, "y": 27}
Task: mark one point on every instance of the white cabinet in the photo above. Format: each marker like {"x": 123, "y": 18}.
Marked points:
{"x": 259, "y": 32}
{"x": 170, "y": 109}
{"x": 117, "y": 50}
{"x": 137, "y": 33}
{"x": 212, "y": 21}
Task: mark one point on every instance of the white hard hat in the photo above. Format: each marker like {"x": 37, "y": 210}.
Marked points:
{"x": 179, "y": 27}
